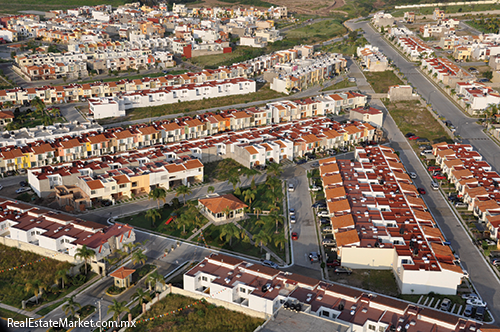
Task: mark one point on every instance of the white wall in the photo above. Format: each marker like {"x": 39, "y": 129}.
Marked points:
{"x": 367, "y": 258}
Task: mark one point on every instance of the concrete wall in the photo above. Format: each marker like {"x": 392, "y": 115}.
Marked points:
{"x": 367, "y": 258}
{"x": 441, "y": 4}
{"x": 227, "y": 305}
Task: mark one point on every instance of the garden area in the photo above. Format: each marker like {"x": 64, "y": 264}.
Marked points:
{"x": 381, "y": 81}
{"x": 35, "y": 117}
{"x": 340, "y": 85}
{"x": 22, "y": 283}
{"x": 265, "y": 222}
{"x": 221, "y": 170}
{"x": 204, "y": 316}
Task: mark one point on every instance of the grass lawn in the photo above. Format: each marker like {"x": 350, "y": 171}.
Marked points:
{"x": 220, "y": 170}
{"x": 45, "y": 5}
{"x": 86, "y": 311}
{"x": 449, "y": 9}
{"x": 4, "y": 313}
{"x": 140, "y": 219}
{"x": 46, "y": 310}
{"x": 142, "y": 270}
{"x": 212, "y": 238}
{"x": 13, "y": 283}
{"x": 345, "y": 47}
{"x": 263, "y": 93}
{"x": 380, "y": 281}
{"x": 317, "y": 32}
{"x": 340, "y": 85}
{"x": 411, "y": 116}
{"x": 381, "y": 81}
{"x": 35, "y": 118}
{"x": 203, "y": 316}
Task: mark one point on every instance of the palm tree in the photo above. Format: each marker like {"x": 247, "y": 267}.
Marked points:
{"x": 234, "y": 179}
{"x": 153, "y": 214}
{"x": 63, "y": 276}
{"x": 228, "y": 231}
{"x": 155, "y": 277}
{"x": 274, "y": 169}
{"x": 257, "y": 211}
{"x": 71, "y": 306}
{"x": 139, "y": 257}
{"x": 33, "y": 286}
{"x": 261, "y": 239}
{"x": 273, "y": 183}
{"x": 183, "y": 221}
{"x": 86, "y": 254}
{"x": 210, "y": 189}
{"x": 159, "y": 194}
{"x": 276, "y": 218}
{"x": 130, "y": 246}
{"x": 183, "y": 190}
{"x": 279, "y": 240}
{"x": 249, "y": 196}
{"x": 141, "y": 295}
{"x": 117, "y": 308}
{"x": 227, "y": 210}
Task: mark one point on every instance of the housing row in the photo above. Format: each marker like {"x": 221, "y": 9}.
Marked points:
{"x": 379, "y": 221}
{"x": 58, "y": 235}
{"x": 266, "y": 290}
{"x": 177, "y": 161}
{"x": 476, "y": 183}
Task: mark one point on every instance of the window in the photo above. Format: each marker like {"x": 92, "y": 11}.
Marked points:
{"x": 381, "y": 329}
{"x": 92, "y": 192}
{"x": 134, "y": 184}
{"x": 325, "y": 313}
{"x": 242, "y": 290}
{"x": 123, "y": 186}
{"x": 204, "y": 278}
{"x": 62, "y": 240}
{"x": 371, "y": 327}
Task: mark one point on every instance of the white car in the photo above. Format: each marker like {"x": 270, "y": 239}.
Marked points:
{"x": 314, "y": 188}
{"x": 476, "y": 303}
{"x": 412, "y": 175}
{"x": 292, "y": 212}
{"x": 292, "y": 219}
{"x": 469, "y": 296}
{"x": 291, "y": 187}
{"x": 22, "y": 190}
{"x": 1, "y": 187}
{"x": 323, "y": 213}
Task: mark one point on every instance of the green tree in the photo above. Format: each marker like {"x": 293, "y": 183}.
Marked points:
{"x": 34, "y": 286}
{"x": 152, "y": 214}
{"x": 141, "y": 295}
{"x": 279, "y": 240}
{"x": 117, "y": 308}
{"x": 276, "y": 218}
{"x": 227, "y": 210}
{"x": 139, "y": 257}
{"x": 261, "y": 239}
{"x": 71, "y": 306}
{"x": 63, "y": 276}
{"x": 210, "y": 189}
{"x": 158, "y": 194}
{"x": 257, "y": 211}
{"x": 233, "y": 179}
{"x": 273, "y": 183}
{"x": 274, "y": 169}
{"x": 228, "y": 231}
{"x": 86, "y": 254}
{"x": 249, "y": 196}
{"x": 183, "y": 190}
{"x": 155, "y": 278}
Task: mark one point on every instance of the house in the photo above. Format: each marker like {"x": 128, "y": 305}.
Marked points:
{"x": 369, "y": 115}
{"x": 6, "y": 117}
{"x": 438, "y": 14}
{"x": 400, "y": 92}
{"x": 409, "y": 17}
{"x": 221, "y": 208}
{"x": 372, "y": 59}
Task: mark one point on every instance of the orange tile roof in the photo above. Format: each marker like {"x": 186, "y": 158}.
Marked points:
{"x": 339, "y": 206}
{"x": 345, "y": 238}
{"x": 122, "y": 273}
{"x": 218, "y": 204}
{"x": 342, "y": 221}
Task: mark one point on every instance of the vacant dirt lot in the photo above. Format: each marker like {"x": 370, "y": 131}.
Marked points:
{"x": 308, "y": 7}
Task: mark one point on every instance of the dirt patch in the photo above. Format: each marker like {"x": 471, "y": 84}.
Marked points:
{"x": 307, "y": 7}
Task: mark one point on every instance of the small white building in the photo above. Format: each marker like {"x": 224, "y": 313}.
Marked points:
{"x": 104, "y": 108}
{"x": 371, "y": 115}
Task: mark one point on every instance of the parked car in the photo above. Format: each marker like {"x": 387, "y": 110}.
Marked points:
{"x": 292, "y": 212}
{"x": 23, "y": 183}
{"x": 106, "y": 202}
{"x": 326, "y": 229}
{"x": 328, "y": 242}
{"x": 325, "y": 221}
{"x": 412, "y": 175}
{"x": 333, "y": 263}
{"x": 22, "y": 190}
{"x": 425, "y": 152}
{"x": 434, "y": 169}
{"x": 469, "y": 296}
{"x": 1, "y": 187}
{"x": 496, "y": 262}
{"x": 476, "y": 303}
{"x": 292, "y": 219}
{"x": 461, "y": 205}
{"x": 445, "y": 305}
{"x": 319, "y": 205}
{"x": 412, "y": 138}
{"x": 480, "y": 313}
{"x": 468, "y": 310}
{"x": 315, "y": 164}
{"x": 453, "y": 198}
{"x": 323, "y": 213}
{"x": 409, "y": 135}
{"x": 295, "y": 236}
{"x": 421, "y": 191}
{"x": 314, "y": 257}
{"x": 439, "y": 176}
{"x": 342, "y": 269}
{"x": 291, "y": 187}
{"x": 434, "y": 185}
{"x": 301, "y": 161}
{"x": 270, "y": 264}
{"x": 422, "y": 140}
{"x": 314, "y": 188}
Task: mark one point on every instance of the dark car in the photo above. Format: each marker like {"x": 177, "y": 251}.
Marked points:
{"x": 314, "y": 257}
{"x": 106, "y": 202}
{"x": 325, "y": 221}
{"x": 342, "y": 269}
{"x": 409, "y": 135}
{"x": 480, "y": 313}
{"x": 319, "y": 205}
{"x": 421, "y": 191}
{"x": 483, "y": 80}
{"x": 333, "y": 263}
{"x": 23, "y": 183}
{"x": 301, "y": 161}
{"x": 468, "y": 310}
{"x": 422, "y": 140}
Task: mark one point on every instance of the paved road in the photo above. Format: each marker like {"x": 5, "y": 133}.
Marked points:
{"x": 467, "y": 128}
{"x": 70, "y": 113}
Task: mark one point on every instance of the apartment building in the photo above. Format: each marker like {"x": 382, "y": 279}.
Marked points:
{"x": 442, "y": 69}
{"x": 475, "y": 181}
{"x": 379, "y": 221}
{"x": 58, "y": 235}
{"x": 371, "y": 58}
{"x": 265, "y": 290}
{"x": 477, "y": 96}
{"x": 414, "y": 47}
{"x": 382, "y": 19}
{"x": 409, "y": 17}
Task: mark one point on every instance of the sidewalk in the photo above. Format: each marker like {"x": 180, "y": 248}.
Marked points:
{"x": 19, "y": 311}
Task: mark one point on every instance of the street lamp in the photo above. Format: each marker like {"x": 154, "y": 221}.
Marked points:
{"x": 99, "y": 303}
